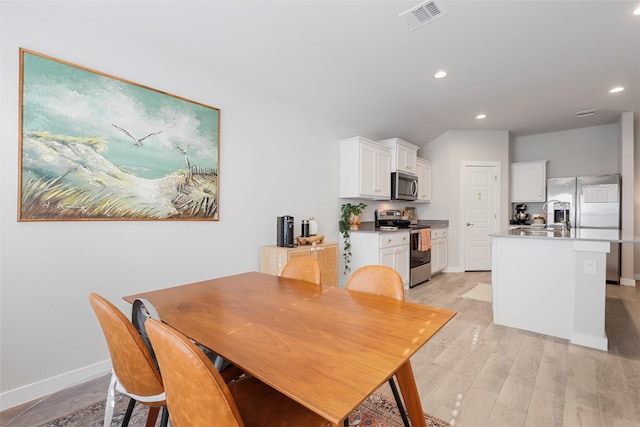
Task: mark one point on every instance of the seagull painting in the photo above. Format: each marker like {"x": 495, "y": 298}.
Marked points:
{"x": 181, "y": 150}
{"x": 137, "y": 142}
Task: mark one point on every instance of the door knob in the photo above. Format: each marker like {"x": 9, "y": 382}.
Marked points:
{"x": 468, "y": 224}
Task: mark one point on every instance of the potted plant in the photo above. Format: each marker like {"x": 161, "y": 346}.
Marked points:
{"x": 349, "y": 220}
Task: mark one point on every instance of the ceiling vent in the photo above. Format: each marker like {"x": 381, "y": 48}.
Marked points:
{"x": 421, "y": 15}
{"x": 587, "y": 113}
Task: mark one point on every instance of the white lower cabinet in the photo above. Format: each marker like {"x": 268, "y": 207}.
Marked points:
{"x": 439, "y": 249}
{"x": 381, "y": 248}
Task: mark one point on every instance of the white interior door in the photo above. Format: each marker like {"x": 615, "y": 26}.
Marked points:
{"x": 480, "y": 212}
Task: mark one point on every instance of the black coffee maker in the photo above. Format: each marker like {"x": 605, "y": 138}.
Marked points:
{"x": 285, "y": 231}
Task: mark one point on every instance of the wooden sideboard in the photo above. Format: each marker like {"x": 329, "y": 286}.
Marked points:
{"x": 274, "y": 258}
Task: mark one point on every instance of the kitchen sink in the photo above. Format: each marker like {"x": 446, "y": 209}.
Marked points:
{"x": 541, "y": 232}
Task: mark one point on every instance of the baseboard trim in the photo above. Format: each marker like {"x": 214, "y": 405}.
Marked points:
{"x": 627, "y": 282}
{"x": 40, "y": 389}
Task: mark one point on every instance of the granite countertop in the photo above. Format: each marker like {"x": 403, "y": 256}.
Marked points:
{"x": 369, "y": 226}
{"x": 591, "y": 234}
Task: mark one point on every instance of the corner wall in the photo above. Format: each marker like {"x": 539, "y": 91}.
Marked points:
{"x": 448, "y": 152}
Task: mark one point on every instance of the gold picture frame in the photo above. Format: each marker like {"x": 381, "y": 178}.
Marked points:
{"x": 98, "y": 147}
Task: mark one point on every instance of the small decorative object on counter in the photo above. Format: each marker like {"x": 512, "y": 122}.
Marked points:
{"x": 313, "y": 226}
{"x": 305, "y": 228}
{"x": 311, "y": 240}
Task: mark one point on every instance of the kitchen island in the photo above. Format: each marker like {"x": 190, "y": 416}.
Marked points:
{"x": 553, "y": 281}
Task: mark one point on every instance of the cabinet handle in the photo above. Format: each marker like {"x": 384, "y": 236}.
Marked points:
{"x": 388, "y": 240}
{"x": 404, "y": 238}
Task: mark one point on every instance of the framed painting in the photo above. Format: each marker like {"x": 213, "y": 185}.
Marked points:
{"x": 98, "y": 147}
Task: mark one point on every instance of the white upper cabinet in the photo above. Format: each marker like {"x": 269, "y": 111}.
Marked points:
{"x": 403, "y": 155}
{"x": 529, "y": 181}
{"x": 423, "y": 170}
{"x": 365, "y": 169}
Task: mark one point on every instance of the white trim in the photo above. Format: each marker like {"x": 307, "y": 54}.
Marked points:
{"x": 629, "y": 282}
{"x": 42, "y": 388}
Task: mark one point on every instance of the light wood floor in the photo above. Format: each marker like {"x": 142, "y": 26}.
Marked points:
{"x": 474, "y": 373}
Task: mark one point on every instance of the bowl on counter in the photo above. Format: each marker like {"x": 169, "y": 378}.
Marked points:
{"x": 538, "y": 220}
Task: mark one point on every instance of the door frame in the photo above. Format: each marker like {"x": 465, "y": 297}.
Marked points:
{"x": 463, "y": 202}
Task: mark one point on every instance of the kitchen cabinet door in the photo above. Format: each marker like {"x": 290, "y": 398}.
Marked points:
{"x": 439, "y": 248}
{"x": 403, "y": 155}
{"x": 383, "y": 175}
{"x": 274, "y": 258}
{"x": 423, "y": 170}
{"x": 529, "y": 181}
{"x": 365, "y": 170}
{"x": 402, "y": 261}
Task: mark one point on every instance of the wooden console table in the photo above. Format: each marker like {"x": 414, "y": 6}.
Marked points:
{"x": 274, "y": 258}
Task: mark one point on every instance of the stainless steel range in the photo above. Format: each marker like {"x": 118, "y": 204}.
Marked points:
{"x": 420, "y": 243}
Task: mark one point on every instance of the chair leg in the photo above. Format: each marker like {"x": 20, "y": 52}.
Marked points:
{"x": 152, "y": 416}
{"x": 111, "y": 401}
{"x": 164, "y": 421}
{"x": 396, "y": 395}
{"x": 127, "y": 415}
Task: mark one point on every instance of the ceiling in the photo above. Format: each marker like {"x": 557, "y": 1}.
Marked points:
{"x": 528, "y": 65}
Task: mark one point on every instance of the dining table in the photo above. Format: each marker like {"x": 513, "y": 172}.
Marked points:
{"x": 327, "y": 348}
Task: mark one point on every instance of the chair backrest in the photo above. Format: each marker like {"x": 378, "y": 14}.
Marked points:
{"x": 132, "y": 362}
{"x": 377, "y": 280}
{"x": 141, "y": 310}
{"x": 196, "y": 393}
{"x": 303, "y": 268}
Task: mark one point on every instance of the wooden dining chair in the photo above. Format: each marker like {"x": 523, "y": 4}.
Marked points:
{"x": 384, "y": 281}
{"x": 134, "y": 371}
{"x": 198, "y": 396}
{"x": 303, "y": 268}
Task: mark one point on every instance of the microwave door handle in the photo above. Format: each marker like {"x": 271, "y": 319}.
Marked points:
{"x": 414, "y": 188}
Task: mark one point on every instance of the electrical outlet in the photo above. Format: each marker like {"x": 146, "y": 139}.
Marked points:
{"x": 590, "y": 266}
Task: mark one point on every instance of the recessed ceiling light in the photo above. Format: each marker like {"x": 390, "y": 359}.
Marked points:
{"x": 637, "y": 11}
{"x": 481, "y": 116}
{"x": 440, "y": 74}
{"x": 617, "y": 89}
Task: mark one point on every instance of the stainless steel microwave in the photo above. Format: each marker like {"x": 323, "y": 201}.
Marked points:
{"x": 404, "y": 186}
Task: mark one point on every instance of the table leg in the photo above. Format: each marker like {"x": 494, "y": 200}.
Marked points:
{"x": 409, "y": 390}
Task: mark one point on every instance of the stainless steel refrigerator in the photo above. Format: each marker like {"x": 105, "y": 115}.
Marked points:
{"x": 593, "y": 202}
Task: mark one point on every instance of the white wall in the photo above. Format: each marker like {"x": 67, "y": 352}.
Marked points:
{"x": 586, "y": 151}
{"x": 447, "y": 153}
{"x": 275, "y": 160}
{"x": 636, "y": 194}
{"x": 627, "y": 172}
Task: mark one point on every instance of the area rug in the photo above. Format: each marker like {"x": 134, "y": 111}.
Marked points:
{"x": 481, "y": 292}
{"x": 376, "y": 411}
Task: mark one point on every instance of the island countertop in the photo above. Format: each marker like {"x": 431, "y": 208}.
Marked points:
{"x": 590, "y": 234}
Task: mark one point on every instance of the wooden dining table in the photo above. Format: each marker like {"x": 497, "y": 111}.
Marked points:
{"x": 326, "y": 348}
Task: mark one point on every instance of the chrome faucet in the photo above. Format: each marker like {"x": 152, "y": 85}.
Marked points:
{"x": 566, "y": 223}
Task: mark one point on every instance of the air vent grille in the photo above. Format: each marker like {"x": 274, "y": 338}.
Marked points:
{"x": 587, "y": 113}
{"x": 422, "y": 14}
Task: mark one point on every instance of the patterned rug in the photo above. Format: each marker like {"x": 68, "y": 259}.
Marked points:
{"x": 376, "y": 411}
